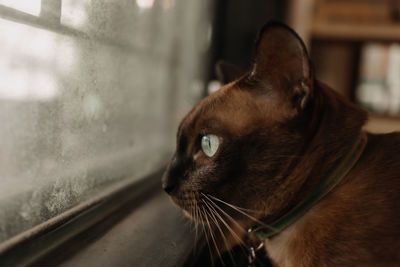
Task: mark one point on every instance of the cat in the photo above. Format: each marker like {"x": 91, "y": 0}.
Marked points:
{"x": 263, "y": 145}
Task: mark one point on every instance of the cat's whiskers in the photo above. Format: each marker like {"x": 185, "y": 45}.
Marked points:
{"x": 188, "y": 212}
{"x": 285, "y": 156}
{"x": 206, "y": 236}
{"x": 242, "y": 212}
{"x": 237, "y": 207}
{"x": 212, "y": 216}
{"x": 195, "y": 218}
{"x": 234, "y": 234}
{"x": 191, "y": 209}
{"x": 226, "y": 224}
{"x": 198, "y": 221}
{"x": 214, "y": 213}
{"x": 205, "y": 213}
{"x": 242, "y": 244}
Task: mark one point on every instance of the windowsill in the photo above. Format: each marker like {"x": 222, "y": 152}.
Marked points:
{"x": 136, "y": 225}
{"x": 154, "y": 234}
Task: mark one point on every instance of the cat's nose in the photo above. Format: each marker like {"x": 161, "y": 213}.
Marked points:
{"x": 168, "y": 184}
{"x": 168, "y": 189}
{"x": 171, "y": 177}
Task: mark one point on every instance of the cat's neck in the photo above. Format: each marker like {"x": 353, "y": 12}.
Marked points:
{"x": 336, "y": 123}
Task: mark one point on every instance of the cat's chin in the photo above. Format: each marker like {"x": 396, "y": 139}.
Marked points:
{"x": 191, "y": 216}
{"x": 193, "y": 211}
{"x": 227, "y": 230}
{"x": 190, "y": 203}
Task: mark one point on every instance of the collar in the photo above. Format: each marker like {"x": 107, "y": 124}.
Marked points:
{"x": 336, "y": 174}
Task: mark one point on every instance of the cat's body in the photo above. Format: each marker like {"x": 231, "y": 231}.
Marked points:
{"x": 264, "y": 142}
{"x": 357, "y": 224}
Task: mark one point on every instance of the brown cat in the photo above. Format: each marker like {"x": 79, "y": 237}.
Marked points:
{"x": 277, "y": 143}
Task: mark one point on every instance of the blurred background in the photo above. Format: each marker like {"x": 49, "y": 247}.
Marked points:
{"x": 92, "y": 91}
{"x": 354, "y": 45}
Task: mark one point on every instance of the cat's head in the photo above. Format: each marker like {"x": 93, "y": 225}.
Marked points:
{"x": 237, "y": 146}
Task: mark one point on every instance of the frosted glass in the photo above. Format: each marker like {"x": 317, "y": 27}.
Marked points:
{"x": 27, "y": 6}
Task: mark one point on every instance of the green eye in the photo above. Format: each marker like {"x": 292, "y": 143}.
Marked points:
{"x": 209, "y": 144}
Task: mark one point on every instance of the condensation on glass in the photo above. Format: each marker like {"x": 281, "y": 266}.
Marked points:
{"x": 92, "y": 101}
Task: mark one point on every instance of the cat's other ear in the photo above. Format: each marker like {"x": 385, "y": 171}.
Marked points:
{"x": 227, "y": 72}
{"x": 281, "y": 62}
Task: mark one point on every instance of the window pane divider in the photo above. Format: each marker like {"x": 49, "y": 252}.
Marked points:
{"x": 51, "y": 10}
{"x": 48, "y": 23}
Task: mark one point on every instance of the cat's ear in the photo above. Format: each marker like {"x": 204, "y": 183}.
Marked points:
{"x": 227, "y": 72}
{"x": 282, "y": 62}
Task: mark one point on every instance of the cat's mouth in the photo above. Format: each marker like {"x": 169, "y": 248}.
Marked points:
{"x": 192, "y": 204}
{"x": 198, "y": 206}
{"x": 202, "y": 207}
{"x": 205, "y": 210}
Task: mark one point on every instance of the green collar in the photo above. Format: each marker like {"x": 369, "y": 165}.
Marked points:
{"x": 335, "y": 175}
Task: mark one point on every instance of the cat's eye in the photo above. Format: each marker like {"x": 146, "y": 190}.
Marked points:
{"x": 210, "y": 144}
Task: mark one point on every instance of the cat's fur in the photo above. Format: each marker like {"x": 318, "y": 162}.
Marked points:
{"x": 281, "y": 130}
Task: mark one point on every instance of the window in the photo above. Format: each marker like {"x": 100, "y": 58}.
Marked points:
{"x": 31, "y": 7}
{"x": 90, "y": 95}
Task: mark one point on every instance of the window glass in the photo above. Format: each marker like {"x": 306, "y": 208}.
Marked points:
{"x": 84, "y": 108}
{"x": 28, "y": 6}
{"x": 75, "y": 13}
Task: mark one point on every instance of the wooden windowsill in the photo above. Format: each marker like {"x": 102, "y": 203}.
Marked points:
{"x": 133, "y": 224}
{"x": 154, "y": 234}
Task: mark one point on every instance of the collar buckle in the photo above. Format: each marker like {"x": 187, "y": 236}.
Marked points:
{"x": 254, "y": 243}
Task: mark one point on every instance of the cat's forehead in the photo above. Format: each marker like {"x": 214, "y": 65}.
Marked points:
{"x": 230, "y": 109}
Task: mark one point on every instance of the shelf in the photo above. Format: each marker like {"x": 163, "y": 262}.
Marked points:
{"x": 377, "y": 124}
{"x": 355, "y": 32}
